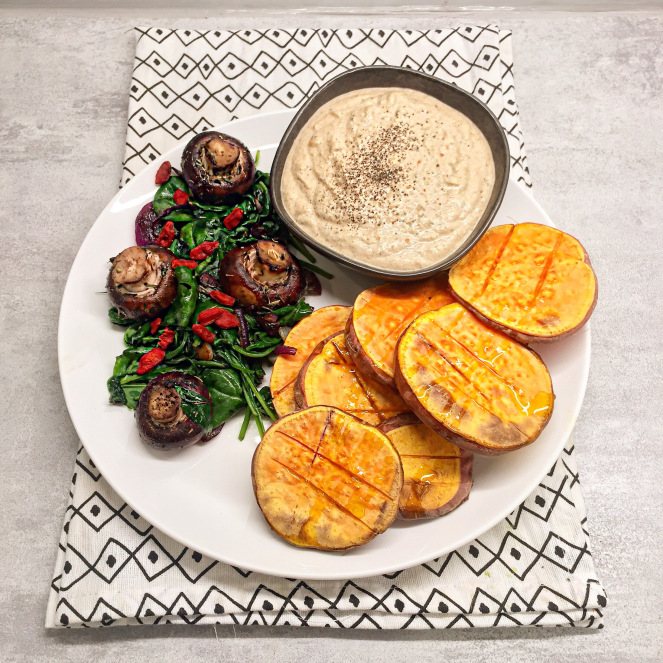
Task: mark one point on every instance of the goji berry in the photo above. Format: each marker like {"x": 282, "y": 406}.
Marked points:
{"x": 163, "y": 174}
{"x": 233, "y": 219}
{"x": 226, "y": 320}
{"x": 180, "y": 197}
{"x": 166, "y": 338}
{"x": 149, "y": 360}
{"x": 191, "y": 264}
{"x": 203, "y": 250}
{"x": 221, "y": 297}
{"x": 203, "y": 333}
{"x": 167, "y": 235}
{"x": 154, "y": 325}
{"x": 209, "y": 315}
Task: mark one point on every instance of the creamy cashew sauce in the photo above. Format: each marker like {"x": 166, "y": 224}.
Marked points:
{"x": 390, "y": 177}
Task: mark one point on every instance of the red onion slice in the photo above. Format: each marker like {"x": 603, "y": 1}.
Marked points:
{"x": 285, "y": 350}
{"x": 243, "y": 329}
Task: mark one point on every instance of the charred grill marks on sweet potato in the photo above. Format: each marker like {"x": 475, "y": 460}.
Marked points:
{"x": 498, "y": 256}
{"x": 324, "y": 495}
{"x": 323, "y": 479}
{"x": 437, "y": 475}
{"x": 379, "y": 317}
{"x": 531, "y": 281}
{"x": 467, "y": 375}
{"x": 330, "y": 377}
{"x": 318, "y": 454}
{"x": 483, "y": 390}
{"x": 326, "y": 428}
{"x": 545, "y": 272}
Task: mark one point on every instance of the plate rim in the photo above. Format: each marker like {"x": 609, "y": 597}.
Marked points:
{"x": 302, "y": 574}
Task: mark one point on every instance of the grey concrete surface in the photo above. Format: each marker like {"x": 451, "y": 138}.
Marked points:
{"x": 590, "y": 92}
{"x": 344, "y": 5}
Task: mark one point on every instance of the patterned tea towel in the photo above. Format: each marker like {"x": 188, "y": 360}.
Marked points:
{"x": 113, "y": 567}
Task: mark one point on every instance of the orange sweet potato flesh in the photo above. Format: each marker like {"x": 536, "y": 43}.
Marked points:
{"x": 325, "y": 480}
{"x": 330, "y": 377}
{"x": 304, "y": 336}
{"x": 471, "y": 383}
{"x": 379, "y": 317}
{"x": 437, "y": 475}
{"x": 531, "y": 281}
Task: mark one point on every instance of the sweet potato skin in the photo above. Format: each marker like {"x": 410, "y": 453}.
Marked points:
{"x": 495, "y": 436}
{"x": 304, "y": 337}
{"x": 414, "y": 509}
{"x": 522, "y": 337}
{"x": 423, "y": 415}
{"x": 513, "y": 330}
{"x": 402, "y": 302}
{"x": 300, "y": 395}
{"x": 378, "y": 391}
{"x": 298, "y": 522}
{"x": 364, "y": 364}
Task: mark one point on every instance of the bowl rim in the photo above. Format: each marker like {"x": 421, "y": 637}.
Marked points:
{"x": 293, "y": 130}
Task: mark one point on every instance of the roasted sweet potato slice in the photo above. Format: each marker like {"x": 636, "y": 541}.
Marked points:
{"x": 304, "y": 336}
{"x": 325, "y": 480}
{"x": 379, "y": 317}
{"x": 437, "y": 475}
{"x": 330, "y": 377}
{"x": 471, "y": 383}
{"x": 531, "y": 281}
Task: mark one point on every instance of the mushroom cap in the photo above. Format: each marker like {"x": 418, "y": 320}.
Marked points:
{"x": 158, "y": 299}
{"x": 217, "y": 167}
{"x": 261, "y": 274}
{"x": 174, "y": 430}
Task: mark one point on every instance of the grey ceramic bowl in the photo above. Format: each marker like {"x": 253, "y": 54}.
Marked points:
{"x": 375, "y": 77}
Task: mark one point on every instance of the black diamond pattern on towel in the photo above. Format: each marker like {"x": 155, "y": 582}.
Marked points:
{"x": 225, "y": 75}
{"x": 113, "y": 567}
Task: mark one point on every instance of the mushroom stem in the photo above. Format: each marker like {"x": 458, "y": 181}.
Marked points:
{"x": 261, "y": 270}
{"x": 164, "y": 405}
{"x": 130, "y": 266}
{"x": 221, "y": 153}
{"x": 137, "y": 271}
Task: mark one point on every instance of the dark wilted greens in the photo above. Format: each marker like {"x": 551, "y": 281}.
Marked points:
{"x": 230, "y": 367}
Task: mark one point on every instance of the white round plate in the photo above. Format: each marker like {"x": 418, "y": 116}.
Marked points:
{"x": 202, "y": 496}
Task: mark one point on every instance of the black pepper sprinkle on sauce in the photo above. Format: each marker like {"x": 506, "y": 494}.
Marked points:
{"x": 372, "y": 175}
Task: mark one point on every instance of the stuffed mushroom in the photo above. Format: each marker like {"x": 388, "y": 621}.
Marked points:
{"x": 174, "y": 411}
{"x": 217, "y": 167}
{"x": 261, "y": 274}
{"x": 141, "y": 282}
